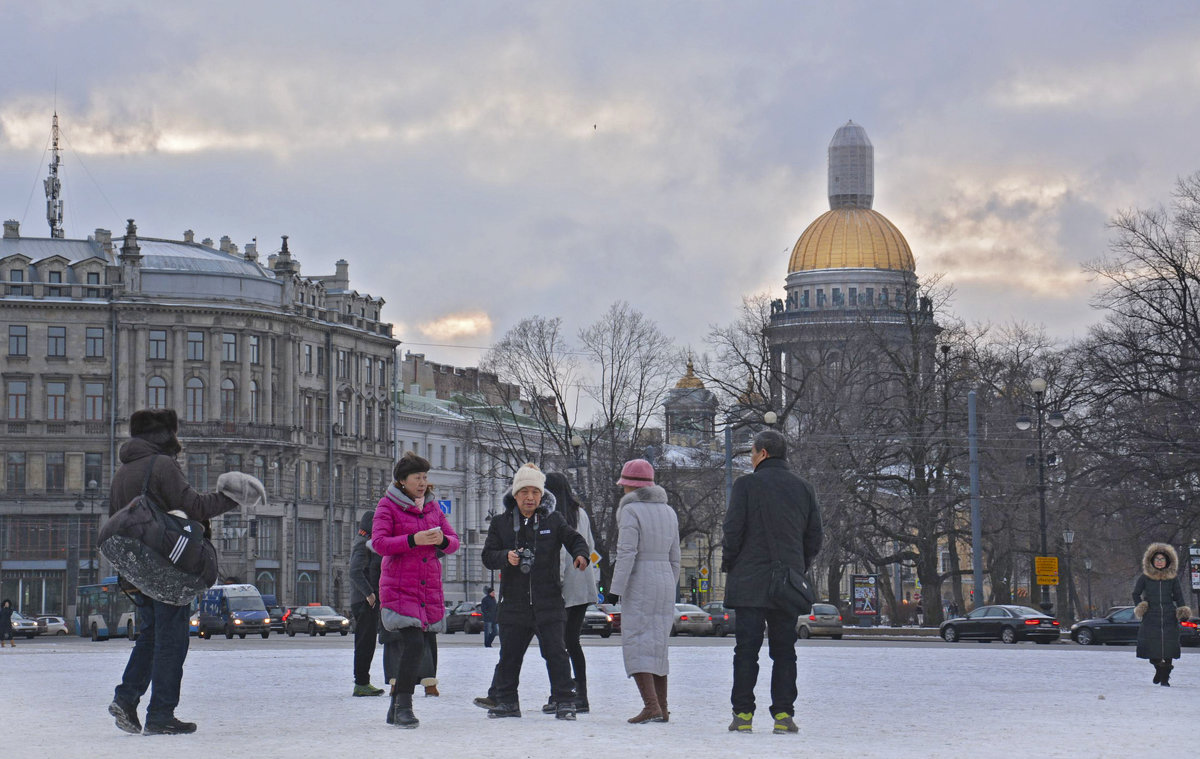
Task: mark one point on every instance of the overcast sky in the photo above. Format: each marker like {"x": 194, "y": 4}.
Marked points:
{"x": 481, "y": 162}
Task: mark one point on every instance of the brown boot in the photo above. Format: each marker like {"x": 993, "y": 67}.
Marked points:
{"x": 650, "y": 711}
{"x": 660, "y": 690}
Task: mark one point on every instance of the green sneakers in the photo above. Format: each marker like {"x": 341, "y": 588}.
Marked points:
{"x": 784, "y": 724}
{"x": 367, "y": 690}
{"x": 741, "y": 722}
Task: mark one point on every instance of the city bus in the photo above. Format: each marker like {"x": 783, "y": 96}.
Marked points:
{"x": 103, "y": 611}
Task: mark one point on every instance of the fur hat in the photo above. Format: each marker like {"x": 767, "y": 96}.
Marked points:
{"x": 1170, "y": 571}
{"x": 409, "y": 463}
{"x": 529, "y": 476}
{"x": 150, "y": 420}
{"x": 638, "y": 473}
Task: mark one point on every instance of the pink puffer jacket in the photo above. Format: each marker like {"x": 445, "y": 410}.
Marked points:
{"x": 411, "y": 580}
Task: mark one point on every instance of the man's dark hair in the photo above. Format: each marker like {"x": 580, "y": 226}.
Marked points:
{"x": 771, "y": 442}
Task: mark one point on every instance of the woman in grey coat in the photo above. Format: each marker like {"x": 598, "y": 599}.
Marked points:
{"x": 1160, "y": 606}
{"x": 646, "y": 578}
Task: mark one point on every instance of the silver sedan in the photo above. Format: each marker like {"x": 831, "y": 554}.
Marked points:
{"x": 692, "y": 620}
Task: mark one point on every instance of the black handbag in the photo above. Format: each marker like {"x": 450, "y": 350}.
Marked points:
{"x": 166, "y": 557}
{"x": 789, "y": 588}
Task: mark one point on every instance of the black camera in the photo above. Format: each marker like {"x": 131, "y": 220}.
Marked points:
{"x": 525, "y": 560}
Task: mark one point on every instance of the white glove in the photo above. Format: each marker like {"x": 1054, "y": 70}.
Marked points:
{"x": 243, "y": 488}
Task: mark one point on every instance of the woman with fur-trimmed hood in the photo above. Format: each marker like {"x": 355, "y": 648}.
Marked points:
{"x": 1160, "y": 606}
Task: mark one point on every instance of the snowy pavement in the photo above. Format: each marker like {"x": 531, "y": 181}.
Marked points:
{"x": 284, "y": 697}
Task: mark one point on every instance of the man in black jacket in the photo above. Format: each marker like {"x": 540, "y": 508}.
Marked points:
{"x": 365, "y": 566}
{"x": 770, "y": 511}
{"x": 488, "y": 608}
{"x": 524, "y": 544}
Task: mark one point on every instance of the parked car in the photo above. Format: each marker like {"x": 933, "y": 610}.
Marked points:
{"x": 723, "y": 619}
{"x": 22, "y": 625}
{"x": 1121, "y": 625}
{"x": 824, "y": 619}
{"x": 691, "y": 619}
{"x": 48, "y": 625}
{"x": 466, "y": 617}
{"x": 614, "y": 611}
{"x": 597, "y": 621}
{"x": 315, "y": 620}
{"x": 1189, "y": 632}
{"x": 1009, "y": 624}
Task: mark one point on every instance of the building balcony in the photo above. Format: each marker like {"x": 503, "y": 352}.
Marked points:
{"x": 233, "y": 431}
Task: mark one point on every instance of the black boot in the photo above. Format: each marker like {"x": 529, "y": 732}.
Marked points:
{"x": 1158, "y": 670}
{"x": 550, "y": 707}
{"x": 402, "y": 713}
{"x": 581, "y": 698}
{"x": 168, "y": 726}
{"x": 1167, "y": 666}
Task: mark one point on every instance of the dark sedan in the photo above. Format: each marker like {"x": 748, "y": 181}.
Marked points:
{"x": 723, "y": 618}
{"x": 614, "y": 611}
{"x": 1009, "y": 624}
{"x": 465, "y": 617}
{"x": 1120, "y": 626}
{"x": 596, "y": 621}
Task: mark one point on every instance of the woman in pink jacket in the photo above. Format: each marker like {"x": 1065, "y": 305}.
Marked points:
{"x": 408, "y": 532}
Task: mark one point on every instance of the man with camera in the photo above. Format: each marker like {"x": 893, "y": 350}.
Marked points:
{"x": 524, "y": 544}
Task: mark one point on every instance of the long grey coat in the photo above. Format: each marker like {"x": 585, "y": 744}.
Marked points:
{"x": 1160, "y": 605}
{"x": 646, "y": 577}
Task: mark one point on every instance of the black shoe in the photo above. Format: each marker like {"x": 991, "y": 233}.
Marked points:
{"x": 169, "y": 726}
{"x": 566, "y": 710}
{"x": 485, "y": 702}
{"x": 1158, "y": 672}
{"x": 127, "y": 718}
{"x": 402, "y": 713}
{"x": 504, "y": 710}
{"x": 581, "y": 706}
{"x": 550, "y": 707}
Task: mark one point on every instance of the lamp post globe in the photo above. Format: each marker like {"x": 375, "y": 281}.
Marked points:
{"x": 770, "y": 418}
{"x": 1038, "y": 385}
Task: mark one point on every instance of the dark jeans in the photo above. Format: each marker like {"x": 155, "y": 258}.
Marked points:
{"x": 403, "y": 654}
{"x": 514, "y": 642}
{"x": 571, "y": 633}
{"x": 781, "y": 644}
{"x": 156, "y": 661}
{"x": 490, "y": 631}
{"x": 366, "y": 627}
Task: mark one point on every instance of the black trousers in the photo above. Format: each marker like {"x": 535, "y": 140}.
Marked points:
{"x": 366, "y": 628}
{"x": 781, "y": 644}
{"x": 571, "y": 633}
{"x": 514, "y": 642}
{"x": 405, "y": 649}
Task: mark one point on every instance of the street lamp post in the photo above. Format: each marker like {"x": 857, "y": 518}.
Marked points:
{"x": 579, "y": 464}
{"x": 91, "y": 492}
{"x": 1068, "y": 539}
{"x": 1087, "y": 566}
{"x": 1055, "y": 420}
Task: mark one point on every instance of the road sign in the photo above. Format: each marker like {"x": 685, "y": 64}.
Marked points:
{"x": 446, "y": 505}
{"x": 1046, "y": 570}
{"x": 703, "y": 586}
{"x": 704, "y": 571}
{"x": 595, "y": 558}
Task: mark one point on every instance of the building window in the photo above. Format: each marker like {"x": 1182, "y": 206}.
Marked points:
{"x": 268, "y": 537}
{"x": 306, "y": 588}
{"x": 228, "y": 346}
{"x": 193, "y": 404}
{"x": 18, "y": 400}
{"x": 56, "y": 401}
{"x": 195, "y": 346}
{"x": 18, "y": 340}
{"x": 265, "y": 580}
{"x": 820, "y": 297}
{"x": 93, "y": 278}
{"x": 320, "y": 361}
{"x": 308, "y": 540}
{"x": 93, "y": 402}
{"x": 442, "y": 458}
{"x": 804, "y": 299}
{"x": 95, "y": 343}
{"x": 341, "y": 417}
{"x": 853, "y": 296}
{"x": 93, "y": 469}
{"x": 837, "y": 296}
{"x": 369, "y": 365}
{"x": 254, "y": 341}
{"x": 16, "y": 275}
{"x": 197, "y": 464}
{"x": 369, "y": 421}
{"x": 158, "y": 344}
{"x": 337, "y": 487}
{"x": 883, "y": 296}
{"x": 55, "y": 472}
{"x": 307, "y": 366}
{"x": 54, "y": 278}
{"x": 870, "y": 296}
{"x": 156, "y": 392}
{"x": 233, "y": 462}
{"x": 228, "y": 400}
{"x": 342, "y": 367}
{"x": 358, "y": 408}
{"x": 383, "y": 430}
{"x": 260, "y": 468}
{"x": 457, "y": 453}
{"x": 56, "y": 342}
{"x": 254, "y": 401}
{"x": 15, "y": 472}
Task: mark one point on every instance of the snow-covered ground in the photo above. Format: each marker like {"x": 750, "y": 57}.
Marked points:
{"x": 284, "y": 697}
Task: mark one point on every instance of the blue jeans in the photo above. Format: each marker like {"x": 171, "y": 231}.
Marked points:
{"x": 156, "y": 661}
{"x": 490, "y": 631}
{"x": 781, "y": 644}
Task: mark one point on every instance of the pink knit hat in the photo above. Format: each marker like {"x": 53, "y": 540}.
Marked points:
{"x": 637, "y": 474}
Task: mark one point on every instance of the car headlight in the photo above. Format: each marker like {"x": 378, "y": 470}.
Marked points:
{"x": 345, "y": 621}
{"x": 321, "y": 622}
{"x": 237, "y": 621}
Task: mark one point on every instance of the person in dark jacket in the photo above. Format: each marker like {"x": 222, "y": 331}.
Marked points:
{"x": 770, "y": 510}
{"x": 156, "y": 661}
{"x": 6, "y": 628}
{"x": 524, "y": 544}
{"x": 487, "y": 607}
{"x": 1160, "y": 606}
{"x": 364, "y": 605}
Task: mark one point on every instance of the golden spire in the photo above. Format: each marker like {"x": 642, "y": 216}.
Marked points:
{"x": 690, "y": 381}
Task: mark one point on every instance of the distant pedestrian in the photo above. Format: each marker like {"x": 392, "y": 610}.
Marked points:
{"x": 6, "y": 628}
{"x": 1160, "y": 606}
{"x": 365, "y": 567}
{"x": 487, "y": 607}
{"x": 409, "y": 530}
{"x": 524, "y": 544}
{"x": 646, "y": 577}
{"x": 579, "y": 588}
{"x": 770, "y": 504}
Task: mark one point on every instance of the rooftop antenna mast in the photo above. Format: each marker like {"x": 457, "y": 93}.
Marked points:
{"x": 54, "y": 204}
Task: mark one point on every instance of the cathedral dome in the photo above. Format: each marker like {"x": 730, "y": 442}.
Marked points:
{"x": 851, "y": 238}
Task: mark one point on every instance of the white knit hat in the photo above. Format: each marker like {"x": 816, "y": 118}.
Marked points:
{"x": 528, "y": 475}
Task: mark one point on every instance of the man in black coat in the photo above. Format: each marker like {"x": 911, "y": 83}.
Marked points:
{"x": 365, "y": 566}
{"x": 531, "y": 599}
{"x": 488, "y": 608}
{"x": 770, "y": 511}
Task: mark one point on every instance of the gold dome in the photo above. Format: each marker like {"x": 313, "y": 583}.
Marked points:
{"x": 690, "y": 381}
{"x": 851, "y": 238}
